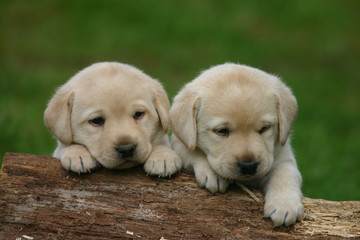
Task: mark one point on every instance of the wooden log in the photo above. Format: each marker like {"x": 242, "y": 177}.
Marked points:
{"x": 39, "y": 199}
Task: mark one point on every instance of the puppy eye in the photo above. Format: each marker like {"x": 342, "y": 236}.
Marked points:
{"x": 264, "y": 129}
{"x": 223, "y": 132}
{"x": 98, "y": 121}
{"x": 138, "y": 115}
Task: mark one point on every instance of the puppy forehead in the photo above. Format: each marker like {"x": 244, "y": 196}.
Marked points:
{"x": 244, "y": 104}
{"x": 111, "y": 84}
{"x": 111, "y": 100}
{"x": 108, "y": 77}
{"x": 112, "y": 96}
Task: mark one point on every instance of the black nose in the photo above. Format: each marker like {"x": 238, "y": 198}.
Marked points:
{"x": 248, "y": 168}
{"x": 126, "y": 150}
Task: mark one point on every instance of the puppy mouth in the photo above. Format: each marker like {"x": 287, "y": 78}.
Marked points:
{"x": 258, "y": 175}
{"x": 124, "y": 156}
{"x": 114, "y": 160}
{"x": 126, "y": 159}
{"x": 126, "y": 164}
{"x": 239, "y": 177}
{"x": 247, "y": 177}
{"x": 236, "y": 174}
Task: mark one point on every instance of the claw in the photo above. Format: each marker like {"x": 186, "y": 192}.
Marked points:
{"x": 299, "y": 216}
{"x": 82, "y": 164}
{"x": 272, "y": 212}
{"x": 70, "y": 164}
{"x": 149, "y": 173}
{"x": 286, "y": 214}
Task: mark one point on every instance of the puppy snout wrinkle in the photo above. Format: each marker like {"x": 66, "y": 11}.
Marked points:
{"x": 248, "y": 168}
{"x": 126, "y": 150}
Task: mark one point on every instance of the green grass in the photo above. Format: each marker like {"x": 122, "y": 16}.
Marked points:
{"x": 312, "y": 45}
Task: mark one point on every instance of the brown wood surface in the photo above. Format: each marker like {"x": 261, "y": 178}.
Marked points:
{"x": 41, "y": 200}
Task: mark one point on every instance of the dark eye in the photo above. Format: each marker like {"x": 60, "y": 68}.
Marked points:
{"x": 264, "y": 129}
{"x": 224, "y": 132}
{"x": 98, "y": 121}
{"x": 138, "y": 115}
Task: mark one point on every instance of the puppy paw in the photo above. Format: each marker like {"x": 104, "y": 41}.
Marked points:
{"x": 207, "y": 178}
{"x": 77, "y": 158}
{"x": 163, "y": 162}
{"x": 284, "y": 210}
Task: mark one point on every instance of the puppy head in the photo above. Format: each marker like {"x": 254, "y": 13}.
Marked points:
{"x": 113, "y": 109}
{"x": 237, "y": 116}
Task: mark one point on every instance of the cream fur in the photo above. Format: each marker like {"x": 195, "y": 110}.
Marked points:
{"x": 114, "y": 92}
{"x": 243, "y": 101}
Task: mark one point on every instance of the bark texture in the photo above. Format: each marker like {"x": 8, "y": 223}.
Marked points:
{"x": 39, "y": 199}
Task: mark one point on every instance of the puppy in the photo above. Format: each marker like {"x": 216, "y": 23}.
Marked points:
{"x": 114, "y": 115}
{"x": 233, "y": 123}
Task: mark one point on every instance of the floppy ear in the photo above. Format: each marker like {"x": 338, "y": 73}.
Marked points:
{"x": 162, "y": 105}
{"x": 183, "y": 116}
{"x": 287, "y": 111}
{"x": 57, "y": 115}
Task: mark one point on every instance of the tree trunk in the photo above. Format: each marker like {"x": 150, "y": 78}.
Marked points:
{"x": 40, "y": 200}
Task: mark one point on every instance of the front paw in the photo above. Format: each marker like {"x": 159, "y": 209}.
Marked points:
{"x": 163, "y": 162}
{"x": 284, "y": 210}
{"x": 207, "y": 178}
{"x": 77, "y": 158}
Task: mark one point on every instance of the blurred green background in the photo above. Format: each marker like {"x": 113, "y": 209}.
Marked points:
{"x": 313, "y": 45}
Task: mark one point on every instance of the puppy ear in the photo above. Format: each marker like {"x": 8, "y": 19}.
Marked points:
{"x": 183, "y": 116}
{"x": 57, "y": 115}
{"x": 162, "y": 105}
{"x": 287, "y": 112}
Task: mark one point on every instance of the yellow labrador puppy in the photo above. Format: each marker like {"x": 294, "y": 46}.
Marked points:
{"x": 233, "y": 123}
{"x": 114, "y": 115}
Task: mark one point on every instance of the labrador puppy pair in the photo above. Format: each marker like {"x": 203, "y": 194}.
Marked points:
{"x": 232, "y": 123}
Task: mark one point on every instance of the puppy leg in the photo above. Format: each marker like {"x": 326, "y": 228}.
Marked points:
{"x": 196, "y": 162}
{"x": 283, "y": 194}
{"x": 75, "y": 158}
{"x": 162, "y": 162}
{"x": 206, "y": 177}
